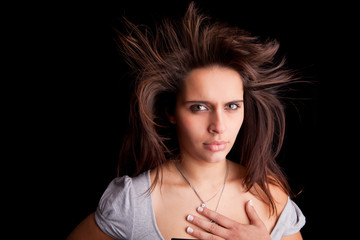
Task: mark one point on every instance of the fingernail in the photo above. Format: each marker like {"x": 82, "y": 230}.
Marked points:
{"x": 251, "y": 203}
{"x": 190, "y": 218}
{"x": 189, "y": 230}
{"x": 200, "y": 209}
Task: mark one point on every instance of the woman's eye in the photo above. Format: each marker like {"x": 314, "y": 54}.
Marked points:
{"x": 198, "y": 108}
{"x": 232, "y": 106}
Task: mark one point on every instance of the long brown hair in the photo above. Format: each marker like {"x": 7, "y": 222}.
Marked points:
{"x": 161, "y": 62}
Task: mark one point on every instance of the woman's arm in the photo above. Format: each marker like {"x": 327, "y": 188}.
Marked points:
{"x": 296, "y": 236}
{"x": 88, "y": 230}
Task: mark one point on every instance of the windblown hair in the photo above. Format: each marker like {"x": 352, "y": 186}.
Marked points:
{"x": 162, "y": 61}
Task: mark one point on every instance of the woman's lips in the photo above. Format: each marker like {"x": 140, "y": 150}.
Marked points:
{"x": 215, "y": 146}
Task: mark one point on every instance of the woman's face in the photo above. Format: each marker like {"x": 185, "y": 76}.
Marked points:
{"x": 209, "y": 113}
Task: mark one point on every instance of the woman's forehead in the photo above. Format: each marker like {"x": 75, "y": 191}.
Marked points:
{"x": 212, "y": 83}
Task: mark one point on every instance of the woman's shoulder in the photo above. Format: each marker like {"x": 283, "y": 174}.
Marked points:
{"x": 124, "y": 198}
{"x": 289, "y": 217}
{"x": 123, "y": 194}
{"x": 127, "y": 186}
{"x": 290, "y": 220}
{"x": 280, "y": 198}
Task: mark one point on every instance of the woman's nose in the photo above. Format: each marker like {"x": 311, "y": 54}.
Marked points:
{"x": 217, "y": 124}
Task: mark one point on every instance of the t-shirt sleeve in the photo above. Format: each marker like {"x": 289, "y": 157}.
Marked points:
{"x": 296, "y": 219}
{"x": 115, "y": 212}
{"x": 290, "y": 221}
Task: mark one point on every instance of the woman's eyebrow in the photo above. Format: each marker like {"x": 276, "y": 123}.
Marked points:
{"x": 203, "y": 102}
{"x": 207, "y": 102}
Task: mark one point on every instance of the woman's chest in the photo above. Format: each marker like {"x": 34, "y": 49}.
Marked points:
{"x": 172, "y": 209}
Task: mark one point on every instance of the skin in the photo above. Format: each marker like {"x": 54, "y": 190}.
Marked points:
{"x": 208, "y": 116}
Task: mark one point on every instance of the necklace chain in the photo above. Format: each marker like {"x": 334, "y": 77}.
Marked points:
{"x": 203, "y": 203}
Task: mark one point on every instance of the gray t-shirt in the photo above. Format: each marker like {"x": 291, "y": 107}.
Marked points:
{"x": 125, "y": 211}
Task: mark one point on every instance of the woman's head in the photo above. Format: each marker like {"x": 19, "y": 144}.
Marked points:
{"x": 179, "y": 68}
{"x": 208, "y": 113}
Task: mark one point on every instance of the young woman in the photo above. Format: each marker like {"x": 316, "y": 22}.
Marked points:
{"x": 207, "y": 125}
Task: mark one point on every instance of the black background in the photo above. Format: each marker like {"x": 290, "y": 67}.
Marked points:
{"x": 76, "y": 100}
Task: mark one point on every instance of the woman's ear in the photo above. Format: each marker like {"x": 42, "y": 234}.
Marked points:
{"x": 171, "y": 117}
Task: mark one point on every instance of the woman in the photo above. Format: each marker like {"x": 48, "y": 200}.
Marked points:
{"x": 206, "y": 127}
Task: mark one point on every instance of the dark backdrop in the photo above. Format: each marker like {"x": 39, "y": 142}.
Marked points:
{"x": 85, "y": 97}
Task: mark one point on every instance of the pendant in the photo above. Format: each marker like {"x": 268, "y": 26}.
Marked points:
{"x": 203, "y": 205}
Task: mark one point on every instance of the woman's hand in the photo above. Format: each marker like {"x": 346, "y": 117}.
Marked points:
{"x": 226, "y": 228}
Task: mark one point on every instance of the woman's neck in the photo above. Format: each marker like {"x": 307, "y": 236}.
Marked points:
{"x": 202, "y": 173}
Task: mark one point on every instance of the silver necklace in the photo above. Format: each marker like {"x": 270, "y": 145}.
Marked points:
{"x": 203, "y": 203}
